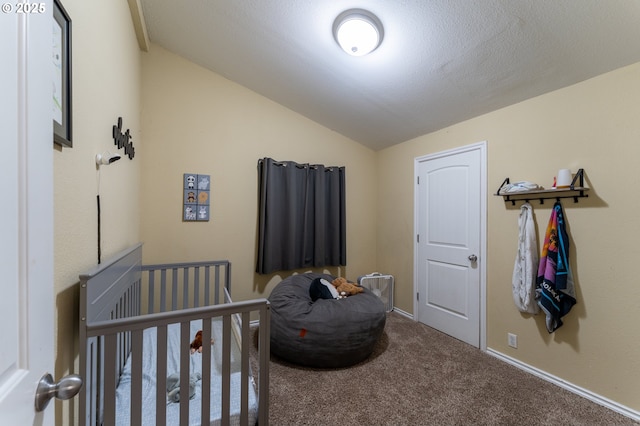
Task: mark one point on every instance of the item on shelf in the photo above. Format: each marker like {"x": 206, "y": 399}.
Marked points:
{"x": 564, "y": 179}
{"x": 521, "y": 186}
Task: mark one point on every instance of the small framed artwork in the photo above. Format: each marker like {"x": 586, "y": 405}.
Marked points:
{"x": 196, "y": 191}
{"x": 61, "y": 76}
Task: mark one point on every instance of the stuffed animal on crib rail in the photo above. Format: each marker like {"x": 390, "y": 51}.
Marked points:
{"x": 345, "y": 288}
{"x": 196, "y": 344}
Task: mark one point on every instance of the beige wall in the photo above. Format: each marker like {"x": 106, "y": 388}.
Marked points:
{"x": 593, "y": 125}
{"x": 195, "y": 121}
{"x": 106, "y": 85}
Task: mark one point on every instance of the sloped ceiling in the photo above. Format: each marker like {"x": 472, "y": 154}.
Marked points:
{"x": 441, "y": 61}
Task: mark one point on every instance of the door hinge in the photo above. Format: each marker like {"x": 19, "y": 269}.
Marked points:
{"x": 418, "y": 180}
{"x": 418, "y": 297}
{"x": 418, "y": 238}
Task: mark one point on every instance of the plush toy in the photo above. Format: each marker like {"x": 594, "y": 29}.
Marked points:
{"x": 196, "y": 345}
{"x": 322, "y": 289}
{"x": 173, "y": 386}
{"x": 345, "y": 288}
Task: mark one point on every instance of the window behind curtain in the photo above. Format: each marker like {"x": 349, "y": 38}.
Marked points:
{"x": 301, "y": 216}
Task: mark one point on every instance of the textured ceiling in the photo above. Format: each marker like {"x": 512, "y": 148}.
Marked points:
{"x": 441, "y": 61}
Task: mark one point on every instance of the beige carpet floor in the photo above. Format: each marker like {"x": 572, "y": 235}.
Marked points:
{"x": 419, "y": 376}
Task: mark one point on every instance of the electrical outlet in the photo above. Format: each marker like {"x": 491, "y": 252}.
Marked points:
{"x": 513, "y": 340}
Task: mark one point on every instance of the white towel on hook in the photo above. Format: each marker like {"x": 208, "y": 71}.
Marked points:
{"x": 525, "y": 269}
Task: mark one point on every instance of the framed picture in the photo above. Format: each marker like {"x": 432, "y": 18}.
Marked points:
{"x": 61, "y": 76}
{"x": 196, "y": 192}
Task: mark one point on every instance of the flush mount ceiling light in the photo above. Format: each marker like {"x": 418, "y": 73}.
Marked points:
{"x": 358, "y": 31}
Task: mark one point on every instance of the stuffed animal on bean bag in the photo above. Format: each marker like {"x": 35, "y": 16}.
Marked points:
{"x": 196, "y": 345}
{"x": 345, "y": 288}
{"x": 337, "y": 289}
{"x": 322, "y": 289}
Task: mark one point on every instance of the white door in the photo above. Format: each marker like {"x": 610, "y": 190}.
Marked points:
{"x": 26, "y": 212}
{"x": 450, "y": 194}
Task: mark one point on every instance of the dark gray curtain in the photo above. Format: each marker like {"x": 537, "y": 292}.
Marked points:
{"x": 301, "y": 216}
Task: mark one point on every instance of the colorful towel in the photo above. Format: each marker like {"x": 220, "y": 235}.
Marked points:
{"x": 555, "y": 290}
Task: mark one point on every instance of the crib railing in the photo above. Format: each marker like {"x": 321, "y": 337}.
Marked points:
{"x": 122, "y": 297}
{"x": 185, "y": 285}
{"x": 111, "y": 331}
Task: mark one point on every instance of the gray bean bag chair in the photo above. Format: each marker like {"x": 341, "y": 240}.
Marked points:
{"x": 327, "y": 333}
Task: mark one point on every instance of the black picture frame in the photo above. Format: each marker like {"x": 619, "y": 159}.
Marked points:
{"x": 61, "y": 111}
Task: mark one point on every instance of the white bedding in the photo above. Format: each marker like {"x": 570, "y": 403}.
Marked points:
{"x": 173, "y": 362}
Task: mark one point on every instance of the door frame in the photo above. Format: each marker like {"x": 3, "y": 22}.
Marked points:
{"x": 482, "y": 255}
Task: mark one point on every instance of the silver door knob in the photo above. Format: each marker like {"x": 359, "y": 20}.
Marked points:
{"x": 66, "y": 388}
{"x": 473, "y": 258}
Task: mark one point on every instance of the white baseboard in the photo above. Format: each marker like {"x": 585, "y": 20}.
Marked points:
{"x": 585, "y": 393}
{"x": 403, "y": 313}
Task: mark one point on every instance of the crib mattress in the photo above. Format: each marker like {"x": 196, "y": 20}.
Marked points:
{"x": 123, "y": 391}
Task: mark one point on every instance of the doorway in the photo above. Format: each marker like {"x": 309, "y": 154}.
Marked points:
{"x": 450, "y": 244}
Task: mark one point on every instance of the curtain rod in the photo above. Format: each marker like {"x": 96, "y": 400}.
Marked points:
{"x": 300, "y": 166}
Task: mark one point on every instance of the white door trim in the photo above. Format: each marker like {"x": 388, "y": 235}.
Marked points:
{"x": 482, "y": 255}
